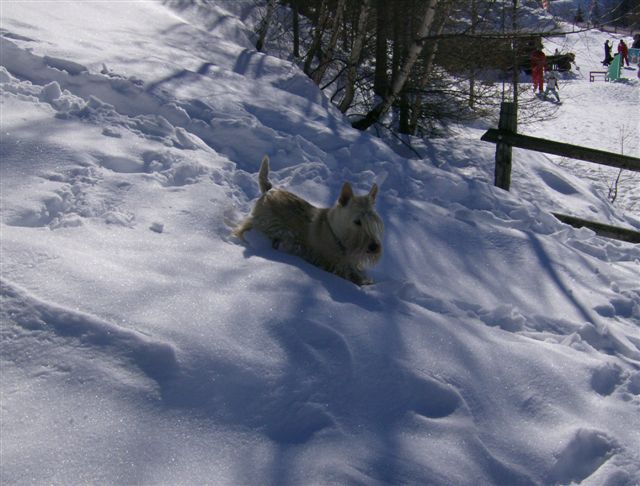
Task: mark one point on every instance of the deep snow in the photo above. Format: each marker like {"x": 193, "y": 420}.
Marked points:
{"x": 143, "y": 345}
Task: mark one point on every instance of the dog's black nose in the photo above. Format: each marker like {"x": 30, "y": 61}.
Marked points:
{"x": 373, "y": 247}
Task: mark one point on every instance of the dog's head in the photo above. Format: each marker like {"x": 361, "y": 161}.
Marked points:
{"x": 358, "y": 226}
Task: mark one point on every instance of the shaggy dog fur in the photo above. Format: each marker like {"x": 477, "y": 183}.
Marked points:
{"x": 343, "y": 239}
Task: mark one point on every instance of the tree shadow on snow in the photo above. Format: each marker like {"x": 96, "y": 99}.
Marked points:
{"x": 340, "y": 290}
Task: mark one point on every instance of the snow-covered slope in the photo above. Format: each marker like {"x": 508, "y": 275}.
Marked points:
{"x": 143, "y": 345}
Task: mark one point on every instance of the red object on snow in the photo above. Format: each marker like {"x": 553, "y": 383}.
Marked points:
{"x": 538, "y": 63}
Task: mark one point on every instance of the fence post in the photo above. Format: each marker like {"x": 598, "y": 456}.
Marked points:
{"x": 509, "y": 122}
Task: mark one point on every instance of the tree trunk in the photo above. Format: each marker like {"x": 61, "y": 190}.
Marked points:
{"x": 314, "y": 50}
{"x": 514, "y": 48}
{"x": 429, "y": 58}
{"x": 472, "y": 73}
{"x": 326, "y": 56}
{"x": 398, "y": 83}
{"x": 296, "y": 29}
{"x": 380, "y": 81}
{"x": 354, "y": 57}
{"x": 400, "y": 44}
{"x": 264, "y": 25}
{"x": 404, "y": 125}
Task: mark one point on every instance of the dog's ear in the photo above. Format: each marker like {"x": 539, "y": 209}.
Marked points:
{"x": 345, "y": 194}
{"x": 373, "y": 193}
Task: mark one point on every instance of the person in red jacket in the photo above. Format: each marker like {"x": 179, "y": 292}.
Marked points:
{"x": 623, "y": 50}
{"x": 538, "y": 65}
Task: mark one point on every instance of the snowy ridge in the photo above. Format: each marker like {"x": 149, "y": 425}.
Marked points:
{"x": 141, "y": 344}
{"x": 155, "y": 358}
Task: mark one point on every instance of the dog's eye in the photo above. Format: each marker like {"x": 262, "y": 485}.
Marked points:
{"x": 357, "y": 222}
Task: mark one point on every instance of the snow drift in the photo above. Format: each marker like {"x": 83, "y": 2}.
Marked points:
{"x": 141, "y": 344}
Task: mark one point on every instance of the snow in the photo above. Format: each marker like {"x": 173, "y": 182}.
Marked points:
{"x": 141, "y": 344}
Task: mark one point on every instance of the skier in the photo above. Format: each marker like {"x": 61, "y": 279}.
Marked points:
{"x": 552, "y": 85}
{"x": 607, "y": 53}
{"x": 623, "y": 50}
{"x": 538, "y": 65}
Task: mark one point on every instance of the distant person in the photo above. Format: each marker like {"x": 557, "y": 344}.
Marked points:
{"x": 552, "y": 85}
{"x": 623, "y": 50}
{"x": 636, "y": 42}
{"x": 607, "y": 53}
{"x": 538, "y": 65}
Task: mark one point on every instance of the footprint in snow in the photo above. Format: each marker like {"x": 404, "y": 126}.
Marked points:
{"x": 633, "y": 385}
{"x": 433, "y": 399}
{"x": 609, "y": 341}
{"x": 610, "y": 377}
{"x": 581, "y": 457}
{"x": 605, "y": 379}
{"x": 505, "y": 317}
{"x": 297, "y": 422}
{"x": 157, "y": 227}
{"x": 617, "y": 307}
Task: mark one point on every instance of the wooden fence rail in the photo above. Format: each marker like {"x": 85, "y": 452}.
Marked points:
{"x": 563, "y": 149}
{"x": 506, "y": 137}
{"x": 601, "y": 229}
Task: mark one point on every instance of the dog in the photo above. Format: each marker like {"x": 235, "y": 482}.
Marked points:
{"x": 344, "y": 239}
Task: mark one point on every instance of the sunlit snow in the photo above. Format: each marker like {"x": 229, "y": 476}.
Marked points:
{"x": 141, "y": 344}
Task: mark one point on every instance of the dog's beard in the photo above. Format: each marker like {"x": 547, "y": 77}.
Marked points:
{"x": 372, "y": 229}
{"x": 358, "y": 249}
{"x": 367, "y": 260}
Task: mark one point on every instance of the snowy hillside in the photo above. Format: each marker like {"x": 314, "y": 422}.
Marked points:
{"x": 141, "y": 344}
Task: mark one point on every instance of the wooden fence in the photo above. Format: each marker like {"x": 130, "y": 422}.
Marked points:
{"x": 506, "y": 137}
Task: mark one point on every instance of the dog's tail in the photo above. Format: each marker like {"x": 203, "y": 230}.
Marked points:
{"x": 263, "y": 175}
